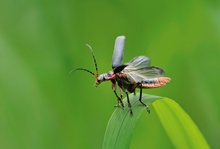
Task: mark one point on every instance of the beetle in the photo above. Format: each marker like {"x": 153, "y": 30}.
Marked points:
{"x": 136, "y": 73}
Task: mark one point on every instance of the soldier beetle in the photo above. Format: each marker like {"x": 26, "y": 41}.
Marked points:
{"x": 128, "y": 76}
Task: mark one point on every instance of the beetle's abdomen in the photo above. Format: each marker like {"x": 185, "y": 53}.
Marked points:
{"x": 156, "y": 82}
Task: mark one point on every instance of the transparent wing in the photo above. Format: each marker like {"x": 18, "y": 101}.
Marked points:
{"x": 118, "y": 51}
{"x": 139, "y": 70}
{"x": 138, "y": 62}
{"x": 144, "y": 74}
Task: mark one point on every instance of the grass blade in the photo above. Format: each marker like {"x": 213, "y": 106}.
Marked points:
{"x": 180, "y": 128}
{"x": 120, "y": 127}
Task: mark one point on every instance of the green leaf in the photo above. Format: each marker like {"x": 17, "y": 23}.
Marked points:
{"x": 180, "y": 128}
{"x": 120, "y": 127}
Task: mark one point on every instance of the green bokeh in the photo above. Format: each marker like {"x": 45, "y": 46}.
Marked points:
{"x": 43, "y": 106}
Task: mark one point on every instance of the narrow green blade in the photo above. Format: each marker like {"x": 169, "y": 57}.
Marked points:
{"x": 178, "y": 125}
{"x": 120, "y": 126}
{"x": 180, "y": 128}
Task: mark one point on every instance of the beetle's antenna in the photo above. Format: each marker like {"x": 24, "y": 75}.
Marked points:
{"x": 83, "y": 70}
{"x": 96, "y": 66}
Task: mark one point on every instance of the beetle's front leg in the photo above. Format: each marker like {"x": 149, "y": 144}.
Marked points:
{"x": 114, "y": 85}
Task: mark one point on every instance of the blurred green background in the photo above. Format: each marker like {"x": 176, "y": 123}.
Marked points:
{"x": 42, "y": 106}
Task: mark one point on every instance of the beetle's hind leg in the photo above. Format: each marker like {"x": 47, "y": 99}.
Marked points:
{"x": 147, "y": 107}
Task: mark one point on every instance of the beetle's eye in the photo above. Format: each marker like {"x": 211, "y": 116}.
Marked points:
{"x": 103, "y": 78}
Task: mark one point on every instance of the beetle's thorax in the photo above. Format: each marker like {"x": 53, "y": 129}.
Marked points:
{"x": 105, "y": 77}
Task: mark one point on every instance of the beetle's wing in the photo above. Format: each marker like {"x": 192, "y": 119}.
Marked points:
{"x": 139, "y": 70}
{"x": 118, "y": 51}
{"x": 138, "y": 62}
{"x": 144, "y": 74}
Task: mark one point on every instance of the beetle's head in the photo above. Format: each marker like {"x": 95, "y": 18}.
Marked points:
{"x": 104, "y": 77}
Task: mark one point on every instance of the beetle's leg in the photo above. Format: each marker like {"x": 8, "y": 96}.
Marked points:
{"x": 119, "y": 99}
{"x": 134, "y": 92}
{"x": 129, "y": 104}
{"x": 120, "y": 91}
{"x": 148, "y": 109}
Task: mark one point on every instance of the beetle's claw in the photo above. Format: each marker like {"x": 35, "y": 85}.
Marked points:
{"x": 116, "y": 106}
{"x": 148, "y": 109}
{"x": 131, "y": 112}
{"x": 119, "y": 104}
